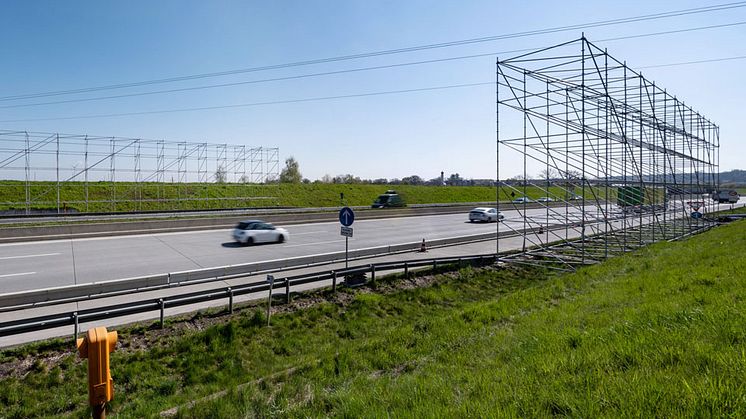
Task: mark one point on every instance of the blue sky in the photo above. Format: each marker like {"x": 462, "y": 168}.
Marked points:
{"x": 52, "y": 45}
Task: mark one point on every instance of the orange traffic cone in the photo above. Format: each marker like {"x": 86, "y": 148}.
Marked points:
{"x": 423, "y": 247}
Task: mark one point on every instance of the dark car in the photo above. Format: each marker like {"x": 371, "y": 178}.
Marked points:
{"x": 390, "y": 199}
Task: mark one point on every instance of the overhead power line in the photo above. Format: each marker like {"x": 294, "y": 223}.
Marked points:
{"x": 655, "y": 16}
{"x": 740, "y": 57}
{"x": 273, "y": 102}
{"x": 352, "y": 70}
{"x": 322, "y": 98}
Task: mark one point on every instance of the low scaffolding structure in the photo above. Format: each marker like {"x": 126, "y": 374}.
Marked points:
{"x": 621, "y": 162}
{"x": 58, "y": 173}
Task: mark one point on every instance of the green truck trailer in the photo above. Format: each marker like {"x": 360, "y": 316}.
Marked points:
{"x": 630, "y": 196}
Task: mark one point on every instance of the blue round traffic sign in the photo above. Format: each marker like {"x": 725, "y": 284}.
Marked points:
{"x": 696, "y": 214}
{"x": 346, "y": 216}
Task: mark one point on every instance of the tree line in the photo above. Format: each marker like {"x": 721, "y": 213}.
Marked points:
{"x": 291, "y": 174}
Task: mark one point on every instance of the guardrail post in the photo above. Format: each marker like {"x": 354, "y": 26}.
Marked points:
{"x": 75, "y": 333}
{"x": 271, "y": 280}
{"x": 287, "y": 291}
{"x": 334, "y": 281}
{"x": 230, "y": 300}
{"x": 435, "y": 264}
{"x": 163, "y": 309}
{"x": 373, "y": 273}
{"x": 406, "y": 270}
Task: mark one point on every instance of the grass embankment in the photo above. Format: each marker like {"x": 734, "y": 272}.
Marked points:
{"x": 734, "y": 211}
{"x": 657, "y": 333}
{"x": 127, "y": 196}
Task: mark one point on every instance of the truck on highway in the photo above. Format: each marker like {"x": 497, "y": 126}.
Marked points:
{"x": 727, "y": 196}
{"x": 630, "y": 196}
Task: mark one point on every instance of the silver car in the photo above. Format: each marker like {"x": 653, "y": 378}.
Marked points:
{"x": 256, "y": 231}
{"x": 485, "y": 215}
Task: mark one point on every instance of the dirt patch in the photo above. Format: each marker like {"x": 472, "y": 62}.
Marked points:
{"x": 21, "y": 367}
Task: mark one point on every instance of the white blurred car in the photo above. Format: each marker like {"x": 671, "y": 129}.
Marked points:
{"x": 256, "y": 231}
{"x": 545, "y": 199}
{"x": 485, "y": 215}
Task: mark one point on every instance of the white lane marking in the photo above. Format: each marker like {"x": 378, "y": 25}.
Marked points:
{"x": 309, "y": 232}
{"x": 29, "y": 256}
{"x": 120, "y": 237}
{"x": 18, "y": 274}
{"x": 313, "y": 244}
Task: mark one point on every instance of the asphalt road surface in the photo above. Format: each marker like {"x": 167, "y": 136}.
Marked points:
{"x": 43, "y": 264}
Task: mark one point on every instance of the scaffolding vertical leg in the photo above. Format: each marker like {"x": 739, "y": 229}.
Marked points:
{"x": 85, "y": 169}
{"x": 28, "y": 175}
{"x": 497, "y": 155}
{"x": 57, "y": 169}
{"x": 112, "y": 175}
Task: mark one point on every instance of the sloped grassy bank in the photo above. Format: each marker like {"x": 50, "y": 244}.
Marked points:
{"x": 151, "y": 196}
{"x": 660, "y": 332}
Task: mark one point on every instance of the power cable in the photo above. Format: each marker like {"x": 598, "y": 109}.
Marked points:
{"x": 353, "y": 70}
{"x": 243, "y": 105}
{"x": 655, "y": 16}
{"x": 316, "y": 99}
{"x": 740, "y": 57}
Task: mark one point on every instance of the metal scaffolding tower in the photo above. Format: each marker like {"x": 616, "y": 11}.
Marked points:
{"x": 59, "y": 173}
{"x": 616, "y": 161}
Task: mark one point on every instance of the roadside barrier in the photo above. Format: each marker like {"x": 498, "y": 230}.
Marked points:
{"x": 81, "y": 292}
{"x": 35, "y": 324}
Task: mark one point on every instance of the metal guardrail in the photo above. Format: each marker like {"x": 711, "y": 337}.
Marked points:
{"x": 54, "y": 228}
{"x": 71, "y": 293}
{"x": 229, "y": 212}
{"x": 51, "y": 321}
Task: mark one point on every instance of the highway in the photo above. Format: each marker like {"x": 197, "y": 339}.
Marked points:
{"x": 33, "y": 265}
{"x": 53, "y": 263}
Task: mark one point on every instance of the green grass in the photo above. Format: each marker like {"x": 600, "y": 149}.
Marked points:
{"x": 128, "y": 196}
{"x": 656, "y": 333}
{"x": 739, "y": 210}
{"x": 133, "y": 197}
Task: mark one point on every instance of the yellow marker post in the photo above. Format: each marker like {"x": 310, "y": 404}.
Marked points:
{"x": 96, "y": 347}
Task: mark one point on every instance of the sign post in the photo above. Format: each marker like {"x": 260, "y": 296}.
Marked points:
{"x": 346, "y": 218}
{"x": 695, "y": 209}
